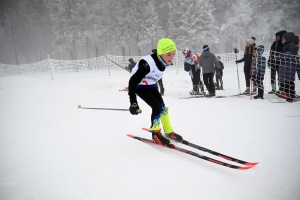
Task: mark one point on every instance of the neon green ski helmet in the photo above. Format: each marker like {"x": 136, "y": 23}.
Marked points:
{"x": 165, "y": 45}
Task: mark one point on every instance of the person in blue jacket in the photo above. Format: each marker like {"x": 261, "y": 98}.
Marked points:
{"x": 258, "y": 72}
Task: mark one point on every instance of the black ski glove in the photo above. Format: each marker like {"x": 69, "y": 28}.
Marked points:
{"x": 135, "y": 109}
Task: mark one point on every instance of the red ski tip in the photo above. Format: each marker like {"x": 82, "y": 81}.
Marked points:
{"x": 251, "y": 163}
{"x": 245, "y": 168}
{"x": 130, "y": 135}
{"x": 146, "y": 129}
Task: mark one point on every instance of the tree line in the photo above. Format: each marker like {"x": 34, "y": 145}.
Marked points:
{"x": 76, "y": 29}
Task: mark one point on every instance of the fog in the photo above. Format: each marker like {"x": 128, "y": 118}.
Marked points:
{"x": 31, "y": 30}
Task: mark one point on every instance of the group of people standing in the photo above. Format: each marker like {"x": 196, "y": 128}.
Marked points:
{"x": 282, "y": 60}
{"x": 253, "y": 57}
{"x": 210, "y": 65}
{"x": 150, "y": 69}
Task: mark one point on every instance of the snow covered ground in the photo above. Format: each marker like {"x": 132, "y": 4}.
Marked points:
{"x": 52, "y": 150}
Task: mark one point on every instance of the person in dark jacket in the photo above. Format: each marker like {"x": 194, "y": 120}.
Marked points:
{"x": 144, "y": 77}
{"x": 219, "y": 75}
{"x": 273, "y": 61}
{"x": 259, "y": 68}
{"x": 131, "y": 64}
{"x": 247, "y": 59}
{"x": 160, "y": 82}
{"x": 296, "y": 42}
{"x": 289, "y": 65}
{"x": 208, "y": 62}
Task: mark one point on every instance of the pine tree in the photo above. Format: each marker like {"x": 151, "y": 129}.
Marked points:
{"x": 8, "y": 13}
{"x": 64, "y": 27}
{"x": 35, "y": 11}
{"x": 146, "y": 22}
{"x": 191, "y": 22}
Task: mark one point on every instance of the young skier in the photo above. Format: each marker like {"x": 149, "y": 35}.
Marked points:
{"x": 196, "y": 70}
{"x": 219, "y": 74}
{"x": 144, "y": 77}
{"x": 259, "y": 68}
{"x": 188, "y": 66}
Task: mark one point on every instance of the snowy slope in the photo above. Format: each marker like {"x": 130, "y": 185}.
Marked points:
{"x": 52, "y": 150}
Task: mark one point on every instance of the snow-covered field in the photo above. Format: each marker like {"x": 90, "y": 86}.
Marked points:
{"x": 52, "y": 150}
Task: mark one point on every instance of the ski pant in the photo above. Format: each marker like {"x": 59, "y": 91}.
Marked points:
{"x": 288, "y": 87}
{"x": 219, "y": 81}
{"x": 258, "y": 81}
{"x": 196, "y": 80}
{"x": 161, "y": 86}
{"x": 208, "y": 79}
{"x": 274, "y": 69}
{"x": 247, "y": 72}
{"x": 159, "y": 111}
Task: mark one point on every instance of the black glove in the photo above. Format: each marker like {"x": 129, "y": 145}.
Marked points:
{"x": 135, "y": 109}
{"x": 236, "y": 62}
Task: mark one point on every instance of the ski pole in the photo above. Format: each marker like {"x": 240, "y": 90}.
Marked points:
{"x": 105, "y": 56}
{"x": 115, "y": 109}
{"x": 237, "y": 69}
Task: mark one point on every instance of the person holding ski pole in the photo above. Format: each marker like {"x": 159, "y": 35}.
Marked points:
{"x": 247, "y": 59}
{"x": 144, "y": 77}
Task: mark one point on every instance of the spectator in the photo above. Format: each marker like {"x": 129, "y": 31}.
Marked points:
{"x": 219, "y": 74}
{"x": 194, "y": 72}
{"x": 253, "y": 38}
{"x": 208, "y": 62}
{"x": 187, "y": 64}
{"x": 289, "y": 65}
{"x": 131, "y": 64}
{"x": 259, "y": 68}
{"x": 247, "y": 59}
{"x": 273, "y": 61}
{"x": 198, "y": 76}
{"x": 296, "y": 42}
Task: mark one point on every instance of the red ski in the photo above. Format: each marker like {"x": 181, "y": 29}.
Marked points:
{"x": 173, "y": 147}
{"x": 214, "y": 152}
